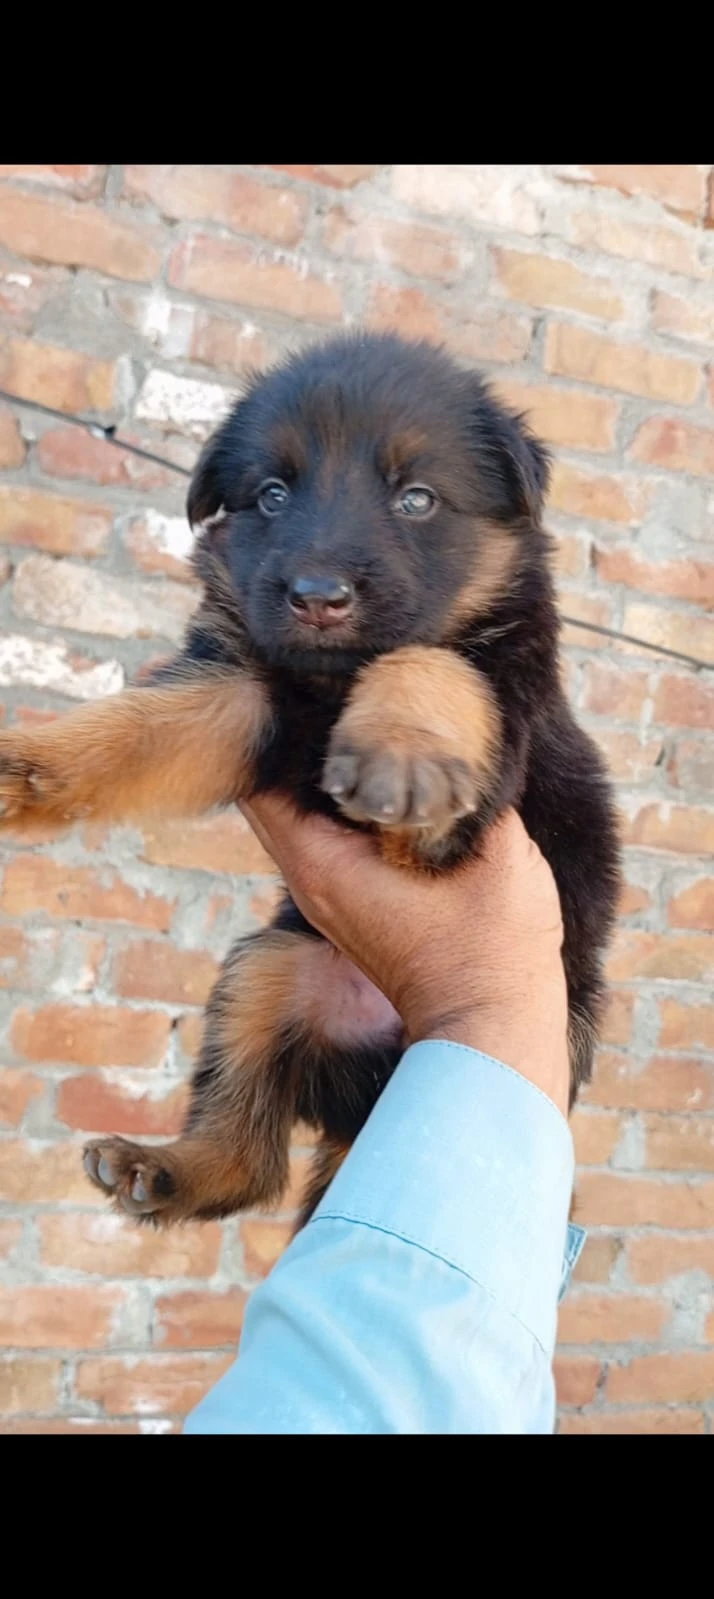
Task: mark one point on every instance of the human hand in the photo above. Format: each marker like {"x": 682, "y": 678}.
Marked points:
{"x": 472, "y": 955}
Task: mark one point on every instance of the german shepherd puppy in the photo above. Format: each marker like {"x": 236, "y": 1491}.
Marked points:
{"x": 378, "y": 639}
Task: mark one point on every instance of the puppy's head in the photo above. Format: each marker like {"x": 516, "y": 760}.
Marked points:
{"x": 367, "y": 494}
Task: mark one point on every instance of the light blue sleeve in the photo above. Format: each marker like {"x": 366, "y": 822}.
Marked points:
{"x": 422, "y": 1296}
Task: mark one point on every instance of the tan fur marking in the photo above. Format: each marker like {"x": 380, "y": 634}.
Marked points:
{"x": 490, "y": 579}
{"x": 254, "y": 1001}
{"x": 424, "y": 701}
{"x": 400, "y": 849}
{"x": 178, "y": 749}
{"x": 402, "y": 450}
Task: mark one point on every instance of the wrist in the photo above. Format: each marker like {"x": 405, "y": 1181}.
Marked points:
{"x": 532, "y": 1041}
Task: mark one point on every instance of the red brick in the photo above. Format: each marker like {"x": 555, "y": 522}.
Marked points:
{"x": 10, "y": 1235}
{"x": 616, "y": 1026}
{"x": 604, "y": 496}
{"x": 41, "y": 1173}
{"x": 218, "y": 844}
{"x": 57, "y": 1316}
{"x": 159, "y": 543}
{"x": 91, "y": 1035}
{"x": 679, "y": 580}
{"x": 576, "y": 1379}
{"x": 578, "y": 352}
{"x": 263, "y": 1244}
{"x": 154, "y": 1385}
{"x": 687, "y": 1378}
{"x": 29, "y": 1385}
{"x": 150, "y": 970}
{"x": 664, "y": 1082}
{"x": 491, "y": 335}
{"x": 606, "y": 1199}
{"x": 671, "y": 248}
{"x": 56, "y": 666}
{"x": 229, "y": 346}
{"x": 200, "y": 1320}
{"x": 610, "y": 1318}
{"x": 683, "y": 1143}
{"x": 23, "y": 294}
{"x": 35, "y": 883}
{"x": 630, "y": 759}
{"x": 659, "y": 1423}
{"x": 62, "y": 378}
{"x": 572, "y": 555}
{"x": 596, "y": 1135}
{"x": 49, "y": 522}
{"x": 674, "y": 957}
{"x": 222, "y": 270}
{"x": 687, "y": 829}
{"x": 63, "y": 594}
{"x": 613, "y": 690}
{"x": 77, "y": 235}
{"x": 584, "y": 608}
{"x": 265, "y": 901}
{"x": 691, "y": 765}
{"x": 564, "y": 417}
{"x": 72, "y": 453}
{"x": 199, "y": 193}
{"x": 497, "y": 195}
{"x": 91, "y": 1105}
{"x": 109, "y": 1245}
{"x": 597, "y": 1261}
{"x": 677, "y": 445}
{"x": 336, "y": 177}
{"x": 406, "y": 311}
{"x": 686, "y": 1026}
{"x": 81, "y": 181}
{"x": 12, "y": 444}
{"x": 656, "y": 1259}
{"x": 686, "y": 701}
{"x": 16, "y": 959}
{"x": 542, "y": 280}
{"x": 633, "y": 898}
{"x": 685, "y": 319}
{"x": 694, "y": 906}
{"x": 680, "y": 188}
{"x": 413, "y": 247}
{"x": 675, "y": 630}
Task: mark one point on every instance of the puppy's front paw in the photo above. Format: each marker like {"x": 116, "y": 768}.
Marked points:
{"x": 394, "y": 787}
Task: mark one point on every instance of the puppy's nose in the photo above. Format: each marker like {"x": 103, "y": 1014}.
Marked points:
{"x": 321, "y": 601}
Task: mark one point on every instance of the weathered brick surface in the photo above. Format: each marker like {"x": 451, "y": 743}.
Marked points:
{"x": 142, "y": 296}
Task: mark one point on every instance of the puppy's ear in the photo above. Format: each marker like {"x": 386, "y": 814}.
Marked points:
{"x": 516, "y": 463}
{"x": 216, "y": 471}
{"x": 528, "y": 466}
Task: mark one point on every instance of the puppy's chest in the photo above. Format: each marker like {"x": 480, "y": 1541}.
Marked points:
{"x": 293, "y": 756}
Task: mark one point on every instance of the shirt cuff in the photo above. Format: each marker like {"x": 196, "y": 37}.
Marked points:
{"x": 466, "y": 1159}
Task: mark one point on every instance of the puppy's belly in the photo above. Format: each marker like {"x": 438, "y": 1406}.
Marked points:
{"x": 339, "y": 1001}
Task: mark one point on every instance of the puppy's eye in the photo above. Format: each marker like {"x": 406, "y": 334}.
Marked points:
{"x": 416, "y": 501}
{"x": 272, "y": 496}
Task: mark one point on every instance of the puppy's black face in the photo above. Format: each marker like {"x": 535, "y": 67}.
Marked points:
{"x": 369, "y": 494}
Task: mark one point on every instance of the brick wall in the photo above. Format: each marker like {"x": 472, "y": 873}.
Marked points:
{"x": 140, "y": 296}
